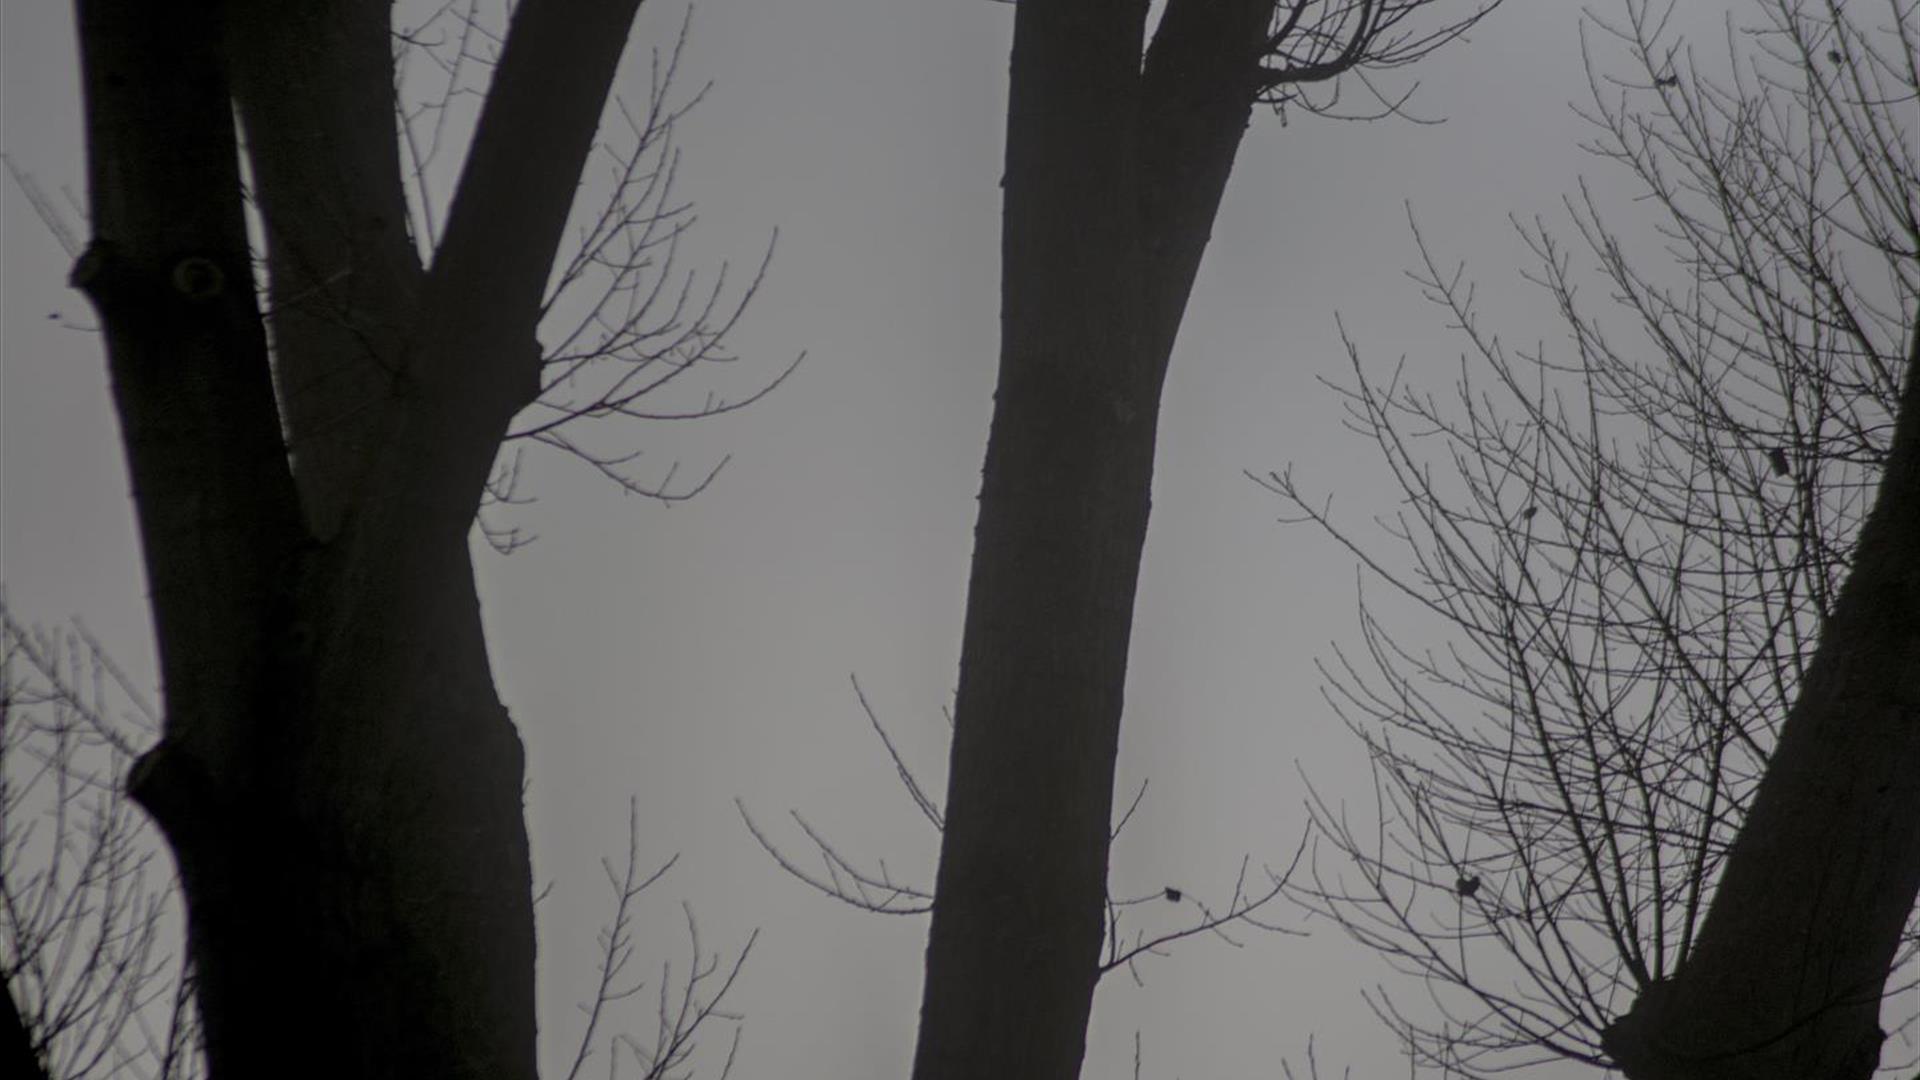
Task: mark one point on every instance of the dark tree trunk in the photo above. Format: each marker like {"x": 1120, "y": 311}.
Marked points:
{"x": 338, "y": 780}
{"x": 17, "y": 1054}
{"x": 1017, "y": 920}
{"x": 1786, "y": 980}
{"x": 1113, "y": 176}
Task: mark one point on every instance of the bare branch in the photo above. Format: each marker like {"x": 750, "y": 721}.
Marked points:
{"x": 1319, "y": 41}
{"x": 684, "y": 1007}
{"x": 84, "y": 906}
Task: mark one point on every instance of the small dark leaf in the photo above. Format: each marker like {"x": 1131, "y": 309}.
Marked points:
{"x": 1778, "y": 459}
{"x": 1174, "y": 894}
{"x": 1467, "y": 885}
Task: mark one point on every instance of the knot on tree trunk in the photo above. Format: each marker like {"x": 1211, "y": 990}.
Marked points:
{"x": 174, "y": 787}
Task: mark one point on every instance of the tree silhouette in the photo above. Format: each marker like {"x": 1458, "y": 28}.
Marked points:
{"x": 335, "y": 775}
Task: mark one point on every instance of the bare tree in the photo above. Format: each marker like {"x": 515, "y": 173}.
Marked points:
{"x": 1654, "y": 555}
{"x": 335, "y": 775}
{"x": 1117, "y": 153}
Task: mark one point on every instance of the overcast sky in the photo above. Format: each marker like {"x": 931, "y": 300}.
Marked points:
{"x": 687, "y": 655}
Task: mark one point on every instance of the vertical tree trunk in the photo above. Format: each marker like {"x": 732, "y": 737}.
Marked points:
{"x": 1113, "y": 176}
{"x": 1786, "y": 980}
{"x": 1014, "y": 945}
{"x": 339, "y": 783}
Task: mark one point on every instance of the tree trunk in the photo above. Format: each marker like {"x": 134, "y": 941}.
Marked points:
{"x": 17, "y": 1054}
{"x": 1786, "y": 980}
{"x": 339, "y": 783}
{"x": 1113, "y": 176}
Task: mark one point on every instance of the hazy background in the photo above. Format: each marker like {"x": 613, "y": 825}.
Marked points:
{"x": 687, "y": 655}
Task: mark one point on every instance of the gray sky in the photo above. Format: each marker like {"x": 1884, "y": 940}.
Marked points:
{"x": 687, "y": 655}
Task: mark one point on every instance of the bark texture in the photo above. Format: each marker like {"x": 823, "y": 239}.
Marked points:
{"x": 1786, "y": 980}
{"x": 339, "y": 783}
{"x": 1114, "y": 170}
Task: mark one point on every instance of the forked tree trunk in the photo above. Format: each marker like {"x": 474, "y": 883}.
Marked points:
{"x": 339, "y": 783}
{"x": 1786, "y": 980}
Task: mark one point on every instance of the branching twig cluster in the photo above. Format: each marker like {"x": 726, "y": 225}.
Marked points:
{"x": 683, "y": 1005}
{"x": 85, "y": 896}
{"x": 1312, "y": 44}
{"x": 1631, "y": 545}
